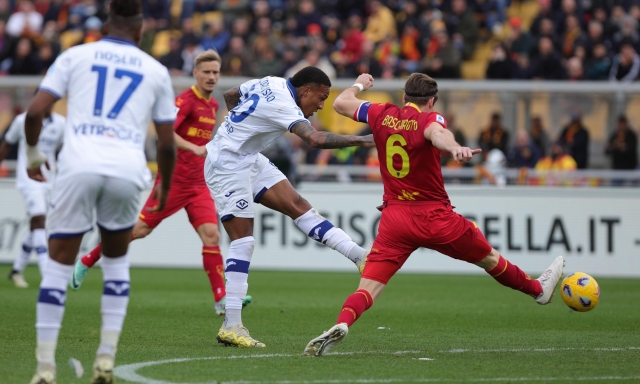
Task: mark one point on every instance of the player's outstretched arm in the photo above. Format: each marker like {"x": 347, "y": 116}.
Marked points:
{"x": 443, "y": 140}
{"x": 327, "y": 140}
{"x": 232, "y": 97}
{"x": 347, "y": 103}
{"x": 166, "y": 161}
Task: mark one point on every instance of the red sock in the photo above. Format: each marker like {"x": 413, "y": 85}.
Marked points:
{"x": 513, "y": 277}
{"x": 213, "y": 265}
{"x": 355, "y": 305}
{"x": 91, "y": 258}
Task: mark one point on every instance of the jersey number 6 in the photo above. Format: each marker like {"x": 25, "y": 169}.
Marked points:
{"x": 392, "y": 150}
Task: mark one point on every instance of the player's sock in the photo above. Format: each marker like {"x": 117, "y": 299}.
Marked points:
{"x": 23, "y": 258}
{"x": 355, "y": 305}
{"x": 40, "y": 245}
{"x": 115, "y": 298}
{"x": 513, "y": 277}
{"x": 91, "y": 258}
{"x": 214, "y": 266}
{"x": 50, "y": 309}
{"x": 237, "y": 274}
{"x": 321, "y": 230}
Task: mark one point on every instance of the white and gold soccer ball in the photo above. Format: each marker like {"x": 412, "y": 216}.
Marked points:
{"x": 580, "y": 292}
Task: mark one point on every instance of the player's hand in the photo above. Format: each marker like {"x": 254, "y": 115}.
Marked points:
{"x": 462, "y": 154}
{"x": 36, "y": 173}
{"x": 200, "y": 151}
{"x": 159, "y": 195}
{"x": 366, "y": 80}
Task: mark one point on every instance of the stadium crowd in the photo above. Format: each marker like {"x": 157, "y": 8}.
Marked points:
{"x": 568, "y": 39}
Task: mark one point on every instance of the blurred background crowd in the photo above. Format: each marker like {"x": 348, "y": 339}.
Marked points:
{"x": 471, "y": 39}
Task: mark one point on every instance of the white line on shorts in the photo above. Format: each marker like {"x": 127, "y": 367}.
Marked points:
{"x": 129, "y": 371}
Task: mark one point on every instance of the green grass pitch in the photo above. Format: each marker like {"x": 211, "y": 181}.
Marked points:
{"x": 472, "y": 328}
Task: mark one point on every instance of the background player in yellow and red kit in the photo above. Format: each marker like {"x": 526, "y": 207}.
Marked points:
{"x": 193, "y": 127}
{"x": 416, "y": 210}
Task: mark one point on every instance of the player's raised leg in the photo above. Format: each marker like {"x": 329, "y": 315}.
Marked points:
{"x": 283, "y": 198}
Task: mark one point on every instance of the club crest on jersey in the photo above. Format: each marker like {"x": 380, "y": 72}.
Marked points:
{"x": 242, "y": 204}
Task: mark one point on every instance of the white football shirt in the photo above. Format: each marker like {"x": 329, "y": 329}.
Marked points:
{"x": 114, "y": 89}
{"x": 267, "y": 109}
{"x": 49, "y": 142}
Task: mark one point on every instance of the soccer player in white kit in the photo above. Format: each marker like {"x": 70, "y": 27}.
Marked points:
{"x": 114, "y": 89}
{"x": 238, "y": 175}
{"x": 35, "y": 194}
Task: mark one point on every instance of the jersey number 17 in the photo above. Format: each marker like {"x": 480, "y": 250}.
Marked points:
{"x": 136, "y": 79}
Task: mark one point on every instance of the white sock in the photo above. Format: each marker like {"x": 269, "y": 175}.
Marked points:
{"x": 321, "y": 230}
{"x": 115, "y": 299}
{"x": 237, "y": 274}
{"x": 23, "y": 258}
{"x": 50, "y": 309}
{"x": 40, "y": 246}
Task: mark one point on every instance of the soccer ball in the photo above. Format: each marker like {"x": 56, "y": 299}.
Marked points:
{"x": 580, "y": 292}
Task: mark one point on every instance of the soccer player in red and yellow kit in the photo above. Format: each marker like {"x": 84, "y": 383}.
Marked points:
{"x": 409, "y": 141}
{"x": 193, "y": 127}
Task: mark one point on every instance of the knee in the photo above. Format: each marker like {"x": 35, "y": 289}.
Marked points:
{"x": 210, "y": 237}
{"x": 490, "y": 261}
{"x": 141, "y": 231}
{"x": 37, "y": 222}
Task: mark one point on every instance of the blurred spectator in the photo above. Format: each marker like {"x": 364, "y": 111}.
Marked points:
{"x": 7, "y": 46}
{"x": 524, "y": 153}
{"x": 494, "y": 136}
{"x": 368, "y": 63}
{"x": 307, "y": 15}
{"x": 493, "y": 169}
{"x": 595, "y": 36}
{"x": 263, "y": 38}
{"x": 148, "y": 35}
{"x": 546, "y": 31}
{"x": 538, "y": 136}
{"x": 173, "y": 60}
{"x": 267, "y": 64}
{"x": 625, "y": 65}
{"x": 313, "y": 58}
{"x": 216, "y": 37}
{"x": 458, "y": 135}
{"x": 568, "y": 8}
{"x": 233, "y": 9}
{"x": 609, "y": 29}
{"x": 556, "y": 161}
{"x": 280, "y": 154}
{"x": 24, "y": 60}
{"x": 46, "y": 56}
{"x": 573, "y": 36}
{"x": 5, "y": 10}
{"x": 519, "y": 41}
{"x": 574, "y": 69}
{"x": 158, "y": 11}
{"x": 445, "y": 64}
{"x": 623, "y": 146}
{"x": 381, "y": 23}
{"x": 409, "y": 50}
{"x": 522, "y": 69}
{"x": 547, "y": 65}
{"x": 463, "y": 26}
{"x": 545, "y": 12}
{"x": 351, "y": 46}
{"x": 237, "y": 60}
{"x": 189, "y": 35}
{"x": 628, "y": 33}
{"x": 599, "y": 65}
{"x": 25, "y": 22}
{"x": 575, "y": 140}
{"x": 92, "y": 30}
{"x": 500, "y": 66}
{"x": 192, "y": 48}
{"x": 240, "y": 28}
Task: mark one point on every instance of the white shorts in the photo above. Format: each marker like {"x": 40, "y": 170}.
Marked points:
{"x": 235, "y": 191}
{"x": 75, "y": 197}
{"x": 36, "y": 200}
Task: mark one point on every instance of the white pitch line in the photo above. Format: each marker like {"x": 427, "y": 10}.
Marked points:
{"x": 128, "y": 371}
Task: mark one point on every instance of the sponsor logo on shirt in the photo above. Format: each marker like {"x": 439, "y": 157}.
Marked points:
{"x": 122, "y": 134}
{"x": 201, "y": 133}
{"x": 207, "y": 120}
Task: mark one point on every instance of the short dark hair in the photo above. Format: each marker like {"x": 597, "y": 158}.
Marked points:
{"x": 310, "y": 75}
{"x": 126, "y": 13}
{"x": 420, "y": 88}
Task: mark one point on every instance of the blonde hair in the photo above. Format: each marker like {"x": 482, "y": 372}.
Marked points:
{"x": 207, "y": 56}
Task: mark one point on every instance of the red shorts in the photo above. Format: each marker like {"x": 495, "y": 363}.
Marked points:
{"x": 196, "y": 200}
{"x": 407, "y": 226}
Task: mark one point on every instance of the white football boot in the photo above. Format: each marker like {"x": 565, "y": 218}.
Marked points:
{"x": 18, "y": 279}
{"x": 103, "y": 370}
{"x": 46, "y": 374}
{"x": 549, "y": 280}
{"x": 327, "y": 341}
